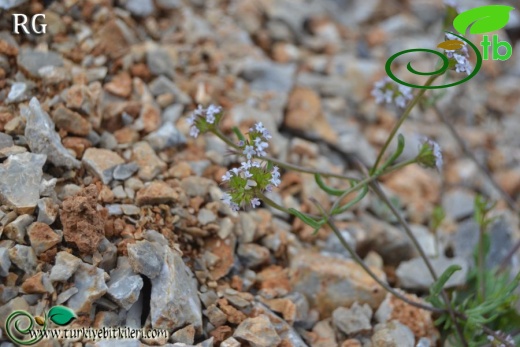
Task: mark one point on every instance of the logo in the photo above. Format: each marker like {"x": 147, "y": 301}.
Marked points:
{"x": 21, "y": 323}
{"x": 479, "y": 20}
{"x": 20, "y": 22}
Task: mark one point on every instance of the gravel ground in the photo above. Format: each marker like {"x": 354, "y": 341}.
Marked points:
{"x": 110, "y": 208}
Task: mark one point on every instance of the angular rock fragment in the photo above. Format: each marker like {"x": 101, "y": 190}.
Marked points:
{"x": 42, "y": 237}
{"x": 124, "y": 285}
{"x": 174, "y": 300}
{"x": 65, "y": 266}
{"x": 42, "y": 138}
{"x": 20, "y": 184}
{"x": 145, "y": 258}
{"x": 90, "y": 282}
{"x": 102, "y": 163}
{"x": 258, "y": 332}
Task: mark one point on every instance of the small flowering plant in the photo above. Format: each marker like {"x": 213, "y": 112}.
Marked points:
{"x": 389, "y": 92}
{"x": 203, "y": 120}
{"x": 459, "y": 55}
{"x": 464, "y": 317}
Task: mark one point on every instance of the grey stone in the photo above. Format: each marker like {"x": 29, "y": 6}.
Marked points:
{"x": 145, "y": 258}
{"x": 169, "y": 4}
{"x": 413, "y": 274}
{"x": 65, "y": 266}
{"x": 333, "y": 244}
{"x": 18, "y": 303}
{"x": 252, "y": 254}
{"x": 150, "y": 165}
{"x": 107, "y": 141}
{"x": 47, "y": 187}
{"x": 258, "y": 332}
{"x": 42, "y": 138}
{"x": 119, "y": 192}
{"x": 21, "y": 175}
{"x": 17, "y": 229}
{"x": 33, "y": 61}
{"x": 114, "y": 209}
{"x": 174, "y": 299}
{"x": 166, "y": 136}
{"x": 7, "y": 293}
{"x": 66, "y": 295}
{"x": 230, "y": 342}
{"x": 130, "y": 210}
{"x": 102, "y": 163}
{"x": 140, "y": 8}
{"x": 163, "y": 85}
{"x": 23, "y": 257}
{"x": 90, "y": 282}
{"x": 5, "y": 262}
{"x": 215, "y": 315}
{"x": 8, "y": 4}
{"x": 172, "y": 113}
{"x": 20, "y": 91}
{"x": 119, "y": 343}
{"x": 109, "y": 255}
{"x": 206, "y": 216}
{"x": 159, "y": 62}
{"x": 458, "y": 203}
{"x": 393, "y": 334}
{"x": 185, "y": 335}
{"x": 353, "y": 320}
{"x": 268, "y": 76}
{"x": 47, "y": 211}
{"x": 124, "y": 285}
{"x": 196, "y": 186}
{"x": 5, "y": 140}
{"x": 125, "y": 171}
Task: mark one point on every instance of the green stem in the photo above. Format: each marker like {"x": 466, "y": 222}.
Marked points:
{"x": 275, "y": 205}
{"x": 280, "y": 163}
{"x": 370, "y": 179}
{"x": 423, "y": 255}
{"x": 401, "y": 120}
{"x": 481, "y": 268}
{"x": 365, "y": 267}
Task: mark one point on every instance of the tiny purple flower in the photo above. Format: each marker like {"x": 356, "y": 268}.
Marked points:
{"x": 226, "y": 177}
{"x": 194, "y": 131}
{"x": 249, "y": 151}
{"x": 255, "y": 202}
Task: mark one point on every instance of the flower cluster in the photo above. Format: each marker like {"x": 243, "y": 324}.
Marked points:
{"x": 251, "y": 178}
{"x": 430, "y": 154}
{"x": 388, "y": 91}
{"x": 460, "y": 57}
{"x": 203, "y": 119}
{"x": 495, "y": 342}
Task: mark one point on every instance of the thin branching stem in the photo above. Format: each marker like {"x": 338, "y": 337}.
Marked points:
{"x": 283, "y": 164}
{"x": 368, "y": 270}
{"x": 401, "y": 120}
{"x": 377, "y": 189}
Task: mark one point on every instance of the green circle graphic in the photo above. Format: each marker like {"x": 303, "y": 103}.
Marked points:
{"x": 19, "y": 315}
{"x": 440, "y": 71}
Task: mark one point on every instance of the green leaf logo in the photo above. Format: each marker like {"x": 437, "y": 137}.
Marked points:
{"x": 61, "y": 315}
{"x": 482, "y": 19}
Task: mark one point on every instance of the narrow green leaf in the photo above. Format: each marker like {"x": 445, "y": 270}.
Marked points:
{"x": 357, "y": 199}
{"x": 307, "y": 220}
{"x": 329, "y": 190}
{"x": 436, "y": 288}
{"x": 396, "y": 154}
{"x": 238, "y": 134}
{"x": 61, "y": 315}
{"x": 483, "y": 19}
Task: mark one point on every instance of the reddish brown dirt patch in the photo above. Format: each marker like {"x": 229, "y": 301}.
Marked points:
{"x": 83, "y": 224}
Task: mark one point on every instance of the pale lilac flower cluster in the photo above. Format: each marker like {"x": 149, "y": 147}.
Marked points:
{"x": 249, "y": 181}
{"x": 259, "y": 144}
{"x": 208, "y": 114}
{"x": 388, "y": 91}
{"x": 430, "y": 154}
{"x": 507, "y": 338}
{"x": 461, "y": 56}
